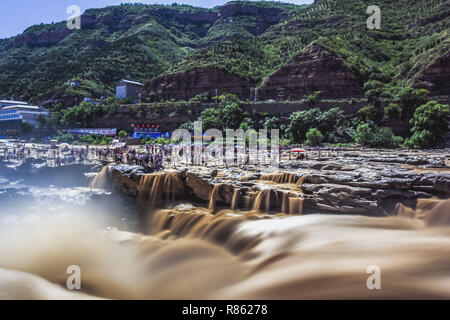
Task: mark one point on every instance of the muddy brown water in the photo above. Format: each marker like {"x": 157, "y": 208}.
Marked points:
{"x": 189, "y": 252}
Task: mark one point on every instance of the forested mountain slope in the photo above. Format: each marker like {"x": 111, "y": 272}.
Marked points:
{"x": 248, "y": 43}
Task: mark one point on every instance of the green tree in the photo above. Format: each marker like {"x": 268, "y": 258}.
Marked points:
{"x": 272, "y": 123}
{"x": 109, "y": 105}
{"x": 231, "y": 115}
{"x": 409, "y": 99}
{"x": 123, "y": 134}
{"x": 189, "y": 126}
{"x": 429, "y": 123}
{"x": 363, "y": 134}
{"x": 376, "y": 137}
{"x": 314, "y": 137}
{"x": 78, "y": 116}
{"x": 228, "y": 115}
{"x": 86, "y": 139}
{"x": 227, "y": 97}
{"x": 367, "y": 113}
{"x": 106, "y": 140}
{"x": 54, "y": 122}
{"x": 210, "y": 118}
{"x": 244, "y": 126}
{"x": 301, "y": 122}
{"x": 68, "y": 138}
{"x": 420, "y": 139}
{"x": 330, "y": 120}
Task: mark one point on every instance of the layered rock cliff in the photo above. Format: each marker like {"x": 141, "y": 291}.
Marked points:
{"x": 197, "y": 81}
{"x": 268, "y": 16}
{"x": 314, "y": 69}
{"x": 436, "y": 76}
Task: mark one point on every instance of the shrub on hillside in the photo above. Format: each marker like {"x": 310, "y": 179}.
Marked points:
{"x": 367, "y": 113}
{"x": 313, "y": 99}
{"x": 392, "y": 111}
{"x": 409, "y": 99}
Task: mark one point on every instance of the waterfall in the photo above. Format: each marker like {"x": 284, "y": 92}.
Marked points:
{"x": 198, "y": 222}
{"x": 249, "y": 199}
{"x": 291, "y": 204}
{"x": 213, "y": 198}
{"x": 295, "y": 205}
{"x": 263, "y": 200}
{"x": 300, "y": 182}
{"x": 280, "y": 177}
{"x": 160, "y": 186}
{"x": 236, "y": 199}
{"x": 285, "y": 202}
{"x": 100, "y": 180}
{"x": 434, "y": 212}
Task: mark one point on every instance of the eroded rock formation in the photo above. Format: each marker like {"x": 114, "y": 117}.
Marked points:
{"x": 350, "y": 183}
{"x": 198, "y": 81}
{"x": 314, "y": 69}
{"x": 436, "y": 76}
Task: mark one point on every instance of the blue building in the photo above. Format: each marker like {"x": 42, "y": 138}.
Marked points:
{"x": 12, "y": 117}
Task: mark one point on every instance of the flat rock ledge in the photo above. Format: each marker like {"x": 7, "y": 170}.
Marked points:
{"x": 351, "y": 184}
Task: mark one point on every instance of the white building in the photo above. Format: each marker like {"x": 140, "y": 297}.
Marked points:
{"x": 12, "y": 117}
{"x": 8, "y": 103}
{"x": 128, "y": 89}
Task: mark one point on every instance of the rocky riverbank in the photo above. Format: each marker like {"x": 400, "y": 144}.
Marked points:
{"x": 39, "y": 171}
{"x": 369, "y": 182}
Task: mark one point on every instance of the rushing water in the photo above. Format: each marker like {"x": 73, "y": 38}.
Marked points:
{"x": 194, "y": 252}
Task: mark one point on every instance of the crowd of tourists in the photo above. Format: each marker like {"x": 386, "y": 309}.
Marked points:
{"x": 153, "y": 156}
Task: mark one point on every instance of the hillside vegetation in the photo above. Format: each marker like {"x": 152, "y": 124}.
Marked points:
{"x": 249, "y": 39}
{"x": 128, "y": 41}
